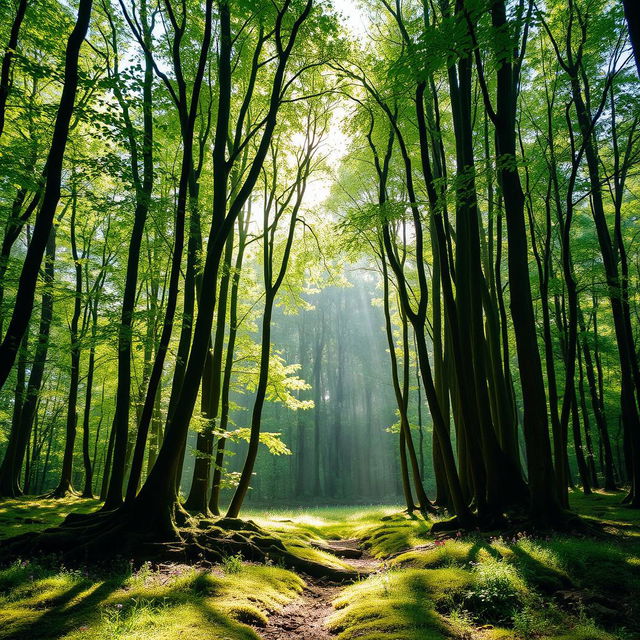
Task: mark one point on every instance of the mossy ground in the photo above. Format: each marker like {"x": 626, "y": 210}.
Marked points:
{"x": 494, "y": 588}
{"x": 40, "y": 602}
{"x": 32, "y": 514}
{"x": 465, "y": 587}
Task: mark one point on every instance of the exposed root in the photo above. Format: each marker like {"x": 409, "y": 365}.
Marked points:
{"x": 106, "y": 536}
{"x": 61, "y": 491}
{"x": 338, "y": 550}
{"x": 443, "y": 527}
{"x": 567, "y": 523}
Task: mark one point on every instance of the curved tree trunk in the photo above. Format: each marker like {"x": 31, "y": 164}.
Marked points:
{"x": 19, "y": 439}
{"x": 10, "y": 49}
{"x": 144, "y": 189}
{"x": 51, "y": 196}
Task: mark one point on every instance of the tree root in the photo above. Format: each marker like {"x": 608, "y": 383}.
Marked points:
{"x": 103, "y": 538}
{"x": 60, "y": 492}
{"x": 509, "y": 525}
{"x": 338, "y": 550}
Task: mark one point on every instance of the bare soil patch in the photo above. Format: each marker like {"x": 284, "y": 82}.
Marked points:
{"x": 305, "y": 618}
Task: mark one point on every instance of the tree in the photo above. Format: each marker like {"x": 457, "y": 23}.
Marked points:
{"x": 50, "y": 197}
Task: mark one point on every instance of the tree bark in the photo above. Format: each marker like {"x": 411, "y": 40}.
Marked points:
{"x": 143, "y": 187}
{"x": 65, "y": 487}
{"x": 5, "y": 72}
{"x": 19, "y": 438}
{"x": 44, "y": 221}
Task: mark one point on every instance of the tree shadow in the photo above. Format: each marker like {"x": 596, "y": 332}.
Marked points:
{"x": 64, "y": 611}
{"x": 28, "y": 513}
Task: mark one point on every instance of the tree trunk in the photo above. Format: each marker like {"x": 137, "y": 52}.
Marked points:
{"x": 545, "y": 506}
{"x": 144, "y": 188}
{"x": 44, "y": 221}
{"x": 10, "y": 49}
{"x": 14, "y": 455}
{"x": 243, "y": 223}
{"x": 630, "y": 381}
{"x": 211, "y": 386}
{"x": 65, "y": 487}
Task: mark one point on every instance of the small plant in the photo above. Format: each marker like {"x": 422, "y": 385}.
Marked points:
{"x": 73, "y": 573}
{"x": 537, "y": 619}
{"x": 232, "y": 564}
{"x": 495, "y": 596}
{"x": 461, "y": 622}
{"x": 122, "y": 618}
{"x": 144, "y": 571}
{"x": 386, "y": 586}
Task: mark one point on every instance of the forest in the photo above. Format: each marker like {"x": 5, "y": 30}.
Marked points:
{"x": 320, "y": 319}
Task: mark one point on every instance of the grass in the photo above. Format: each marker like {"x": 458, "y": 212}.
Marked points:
{"x": 329, "y": 523}
{"x": 32, "y": 514}
{"x": 521, "y": 588}
{"x": 40, "y": 602}
{"x": 397, "y": 604}
{"x": 467, "y": 587}
{"x": 381, "y": 529}
{"x": 606, "y": 507}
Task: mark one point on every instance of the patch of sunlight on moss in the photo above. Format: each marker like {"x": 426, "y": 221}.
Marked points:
{"x": 196, "y": 621}
{"x": 54, "y": 590}
{"x": 323, "y": 522}
{"x": 397, "y": 533}
{"x": 496, "y": 594}
{"x": 317, "y": 555}
{"x": 265, "y": 587}
{"x": 583, "y": 632}
{"x": 500, "y": 634}
{"x": 540, "y": 566}
{"x": 23, "y": 514}
{"x": 599, "y": 565}
{"x": 191, "y": 604}
{"x": 299, "y": 529}
{"x": 606, "y": 506}
{"x": 398, "y": 605}
{"x": 450, "y": 553}
{"x": 497, "y": 569}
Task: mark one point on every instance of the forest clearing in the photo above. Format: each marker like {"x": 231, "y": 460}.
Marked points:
{"x": 320, "y": 319}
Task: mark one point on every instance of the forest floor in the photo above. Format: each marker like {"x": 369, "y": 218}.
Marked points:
{"x": 305, "y": 618}
{"x": 413, "y": 586}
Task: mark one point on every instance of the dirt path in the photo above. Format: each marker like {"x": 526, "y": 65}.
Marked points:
{"x": 305, "y": 617}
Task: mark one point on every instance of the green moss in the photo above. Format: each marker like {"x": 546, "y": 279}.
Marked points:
{"x": 398, "y": 605}
{"x": 193, "y": 604}
{"x": 606, "y": 507}
{"x": 499, "y": 634}
{"x": 497, "y": 592}
{"x": 447, "y": 554}
{"x": 397, "y": 533}
{"x": 454, "y": 589}
{"x": 317, "y": 523}
{"x": 540, "y": 566}
{"x": 317, "y": 555}
{"x": 584, "y": 632}
{"x": 33, "y": 514}
{"x": 595, "y": 564}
